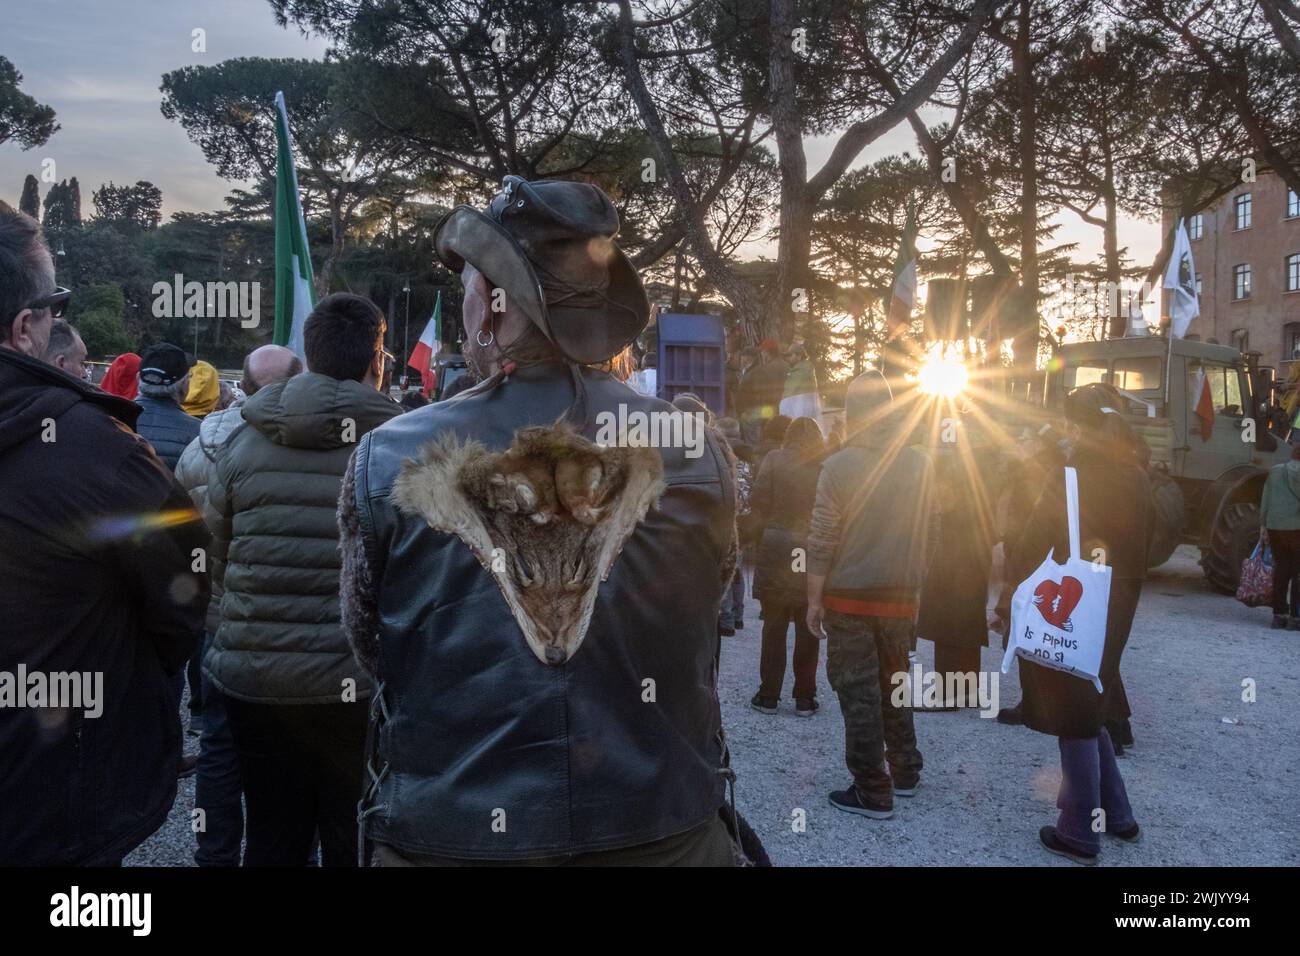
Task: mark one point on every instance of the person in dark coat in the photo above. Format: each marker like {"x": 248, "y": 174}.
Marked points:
{"x": 954, "y": 602}
{"x": 763, "y": 385}
{"x": 1023, "y": 477}
{"x": 164, "y": 385}
{"x": 1114, "y": 523}
{"x": 771, "y": 438}
{"x": 99, "y": 587}
{"x": 782, "y": 502}
{"x": 731, "y": 616}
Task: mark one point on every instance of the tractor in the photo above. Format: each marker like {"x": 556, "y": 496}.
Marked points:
{"x": 1207, "y": 472}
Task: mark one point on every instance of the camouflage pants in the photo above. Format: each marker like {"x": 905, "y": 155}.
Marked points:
{"x": 862, "y": 654}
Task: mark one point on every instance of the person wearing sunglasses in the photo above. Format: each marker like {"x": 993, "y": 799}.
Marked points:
{"x": 99, "y": 593}
{"x": 28, "y": 331}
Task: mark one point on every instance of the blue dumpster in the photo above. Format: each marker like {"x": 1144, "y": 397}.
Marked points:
{"x": 693, "y": 358}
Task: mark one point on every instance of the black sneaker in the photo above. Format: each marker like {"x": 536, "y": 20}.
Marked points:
{"x": 907, "y": 788}
{"x": 805, "y": 707}
{"x": 1053, "y": 843}
{"x": 1011, "y": 715}
{"x": 726, "y": 630}
{"x": 1293, "y": 624}
{"x": 849, "y": 801}
{"x": 189, "y": 763}
{"x": 1132, "y": 835}
{"x": 1279, "y": 622}
{"x": 764, "y": 705}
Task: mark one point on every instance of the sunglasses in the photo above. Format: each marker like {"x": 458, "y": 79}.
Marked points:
{"x": 57, "y": 302}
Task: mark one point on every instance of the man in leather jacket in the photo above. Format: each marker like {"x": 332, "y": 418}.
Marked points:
{"x": 539, "y": 611}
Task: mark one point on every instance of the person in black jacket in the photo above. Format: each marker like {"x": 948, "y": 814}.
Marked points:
{"x": 536, "y": 594}
{"x": 102, "y": 567}
{"x": 164, "y": 383}
{"x": 1114, "y": 523}
{"x": 954, "y": 601}
{"x": 782, "y": 502}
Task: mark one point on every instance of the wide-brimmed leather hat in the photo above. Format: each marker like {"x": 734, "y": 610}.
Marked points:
{"x": 550, "y": 245}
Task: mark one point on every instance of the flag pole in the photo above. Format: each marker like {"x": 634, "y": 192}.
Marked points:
{"x": 1169, "y": 325}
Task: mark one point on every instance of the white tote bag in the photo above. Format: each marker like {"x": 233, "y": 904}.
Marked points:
{"x": 1058, "y": 614}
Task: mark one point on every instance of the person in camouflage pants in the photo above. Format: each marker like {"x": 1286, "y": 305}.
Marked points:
{"x": 871, "y": 519}
{"x": 862, "y": 656}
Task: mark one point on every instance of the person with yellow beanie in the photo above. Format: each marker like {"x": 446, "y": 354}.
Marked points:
{"x": 205, "y": 390}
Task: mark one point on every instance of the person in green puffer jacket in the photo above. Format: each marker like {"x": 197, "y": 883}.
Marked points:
{"x": 1279, "y": 518}
{"x": 294, "y": 695}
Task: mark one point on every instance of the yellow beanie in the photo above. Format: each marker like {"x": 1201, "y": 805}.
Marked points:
{"x": 205, "y": 390}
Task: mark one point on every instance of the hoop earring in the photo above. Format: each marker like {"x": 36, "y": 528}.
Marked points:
{"x": 491, "y": 337}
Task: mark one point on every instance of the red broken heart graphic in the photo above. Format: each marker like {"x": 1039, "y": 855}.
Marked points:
{"x": 1056, "y": 601}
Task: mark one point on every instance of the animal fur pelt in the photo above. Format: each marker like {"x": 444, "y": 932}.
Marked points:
{"x": 547, "y": 518}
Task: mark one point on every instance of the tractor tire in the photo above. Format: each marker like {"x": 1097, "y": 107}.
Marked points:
{"x": 1169, "y": 517}
{"x": 1231, "y": 542}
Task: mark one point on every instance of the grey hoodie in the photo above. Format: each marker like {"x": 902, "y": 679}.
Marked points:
{"x": 870, "y": 521}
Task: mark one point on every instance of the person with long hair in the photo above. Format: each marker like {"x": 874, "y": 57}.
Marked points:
{"x": 1114, "y": 523}
{"x": 782, "y": 502}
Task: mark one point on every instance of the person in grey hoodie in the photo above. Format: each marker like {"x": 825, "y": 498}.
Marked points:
{"x": 866, "y": 563}
{"x": 1279, "y": 516}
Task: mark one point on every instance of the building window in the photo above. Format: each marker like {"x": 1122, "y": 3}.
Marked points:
{"x": 1292, "y": 204}
{"x": 1199, "y": 291}
{"x": 1293, "y": 273}
{"x": 1241, "y": 208}
{"x": 1196, "y": 226}
{"x": 1240, "y": 340}
{"x": 1291, "y": 342}
{"x": 1241, "y": 281}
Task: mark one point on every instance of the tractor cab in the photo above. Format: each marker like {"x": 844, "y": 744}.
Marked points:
{"x": 1205, "y": 412}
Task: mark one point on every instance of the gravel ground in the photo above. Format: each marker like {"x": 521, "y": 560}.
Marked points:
{"x": 1213, "y": 780}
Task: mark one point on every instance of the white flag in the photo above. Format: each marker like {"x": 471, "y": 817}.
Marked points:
{"x": 1180, "y": 280}
{"x": 1137, "y": 320}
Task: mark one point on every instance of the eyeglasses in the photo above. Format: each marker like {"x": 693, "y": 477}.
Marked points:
{"x": 57, "y": 302}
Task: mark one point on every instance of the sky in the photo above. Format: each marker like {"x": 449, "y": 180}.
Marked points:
{"x": 99, "y": 63}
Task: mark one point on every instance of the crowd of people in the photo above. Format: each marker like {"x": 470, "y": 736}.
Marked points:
{"x": 439, "y": 635}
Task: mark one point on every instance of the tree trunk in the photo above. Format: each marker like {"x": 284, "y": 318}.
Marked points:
{"x": 741, "y": 293}
{"x": 1026, "y": 347}
{"x": 961, "y": 202}
{"x": 326, "y": 274}
{"x": 794, "y": 244}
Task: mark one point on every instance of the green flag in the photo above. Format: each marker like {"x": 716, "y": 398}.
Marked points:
{"x": 294, "y": 293}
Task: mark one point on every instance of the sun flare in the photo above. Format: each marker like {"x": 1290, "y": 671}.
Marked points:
{"x": 941, "y": 377}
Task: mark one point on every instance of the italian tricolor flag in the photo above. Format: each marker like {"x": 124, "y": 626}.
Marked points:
{"x": 426, "y": 350}
{"x": 294, "y": 293}
{"x": 903, "y": 301}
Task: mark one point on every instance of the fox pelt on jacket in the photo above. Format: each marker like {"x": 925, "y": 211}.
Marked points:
{"x": 546, "y": 518}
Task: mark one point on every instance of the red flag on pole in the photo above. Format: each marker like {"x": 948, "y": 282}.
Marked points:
{"x": 1205, "y": 406}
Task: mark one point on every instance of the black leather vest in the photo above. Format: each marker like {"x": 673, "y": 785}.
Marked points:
{"x": 481, "y": 751}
